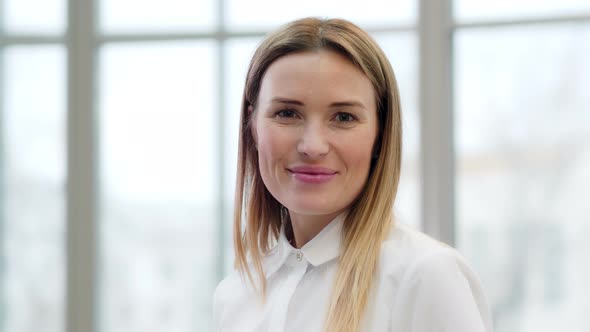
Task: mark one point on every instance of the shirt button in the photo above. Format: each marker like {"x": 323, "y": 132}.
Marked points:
{"x": 299, "y": 256}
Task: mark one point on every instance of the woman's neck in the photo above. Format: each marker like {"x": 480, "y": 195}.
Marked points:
{"x": 306, "y": 227}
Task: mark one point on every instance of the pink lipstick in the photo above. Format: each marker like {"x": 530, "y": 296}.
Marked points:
{"x": 312, "y": 174}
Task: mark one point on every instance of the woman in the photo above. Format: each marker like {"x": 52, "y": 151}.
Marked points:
{"x": 318, "y": 170}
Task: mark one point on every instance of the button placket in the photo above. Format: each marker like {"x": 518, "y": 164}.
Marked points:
{"x": 287, "y": 290}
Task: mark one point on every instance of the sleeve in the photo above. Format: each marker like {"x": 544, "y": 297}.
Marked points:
{"x": 443, "y": 294}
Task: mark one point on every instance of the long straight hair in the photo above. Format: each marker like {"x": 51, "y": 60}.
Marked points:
{"x": 258, "y": 215}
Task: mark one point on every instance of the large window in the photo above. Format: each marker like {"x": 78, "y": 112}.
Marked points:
{"x": 33, "y": 180}
{"x": 118, "y": 146}
{"x": 522, "y": 150}
{"x": 32, "y": 166}
{"x": 523, "y": 154}
{"x": 158, "y": 184}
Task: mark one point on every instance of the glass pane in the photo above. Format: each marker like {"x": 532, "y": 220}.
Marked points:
{"x": 402, "y": 51}
{"x": 159, "y": 178}
{"x": 468, "y": 10}
{"x": 34, "y": 16}
{"x": 523, "y": 154}
{"x": 247, "y": 14}
{"x": 33, "y": 182}
{"x": 138, "y": 16}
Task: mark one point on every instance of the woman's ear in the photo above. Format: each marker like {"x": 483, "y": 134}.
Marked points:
{"x": 252, "y": 122}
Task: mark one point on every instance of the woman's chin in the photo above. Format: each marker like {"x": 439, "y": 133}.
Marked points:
{"x": 313, "y": 209}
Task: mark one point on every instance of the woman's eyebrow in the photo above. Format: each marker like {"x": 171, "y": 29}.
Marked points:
{"x": 345, "y": 103}
{"x": 286, "y": 101}
{"x": 351, "y": 103}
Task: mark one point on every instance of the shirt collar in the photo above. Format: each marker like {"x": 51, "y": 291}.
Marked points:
{"x": 324, "y": 247}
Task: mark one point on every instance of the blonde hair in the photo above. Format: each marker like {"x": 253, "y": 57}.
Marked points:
{"x": 370, "y": 216}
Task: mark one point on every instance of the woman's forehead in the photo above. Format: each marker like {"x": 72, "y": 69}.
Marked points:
{"x": 315, "y": 75}
{"x": 312, "y": 62}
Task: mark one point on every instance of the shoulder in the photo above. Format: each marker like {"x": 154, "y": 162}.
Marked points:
{"x": 405, "y": 247}
{"x": 235, "y": 298}
{"x": 225, "y": 288}
{"x": 410, "y": 254}
{"x": 435, "y": 284}
{"x": 230, "y": 290}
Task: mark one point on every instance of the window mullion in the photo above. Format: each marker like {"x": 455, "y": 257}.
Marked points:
{"x": 436, "y": 119}
{"x": 82, "y": 184}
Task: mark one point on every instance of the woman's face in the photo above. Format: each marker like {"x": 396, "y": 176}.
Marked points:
{"x": 315, "y": 126}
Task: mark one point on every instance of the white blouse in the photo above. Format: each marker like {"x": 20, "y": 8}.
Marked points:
{"x": 421, "y": 285}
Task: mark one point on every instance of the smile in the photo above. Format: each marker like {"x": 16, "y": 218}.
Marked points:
{"x": 312, "y": 175}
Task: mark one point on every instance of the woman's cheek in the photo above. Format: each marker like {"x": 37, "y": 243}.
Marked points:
{"x": 273, "y": 146}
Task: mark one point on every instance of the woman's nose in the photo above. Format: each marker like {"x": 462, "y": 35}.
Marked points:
{"x": 313, "y": 142}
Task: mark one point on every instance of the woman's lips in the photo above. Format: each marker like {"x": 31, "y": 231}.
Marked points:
{"x": 311, "y": 174}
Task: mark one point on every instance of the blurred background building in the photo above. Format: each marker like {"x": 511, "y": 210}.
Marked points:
{"x": 118, "y": 140}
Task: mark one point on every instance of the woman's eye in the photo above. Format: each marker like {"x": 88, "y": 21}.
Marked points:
{"x": 344, "y": 117}
{"x": 286, "y": 113}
